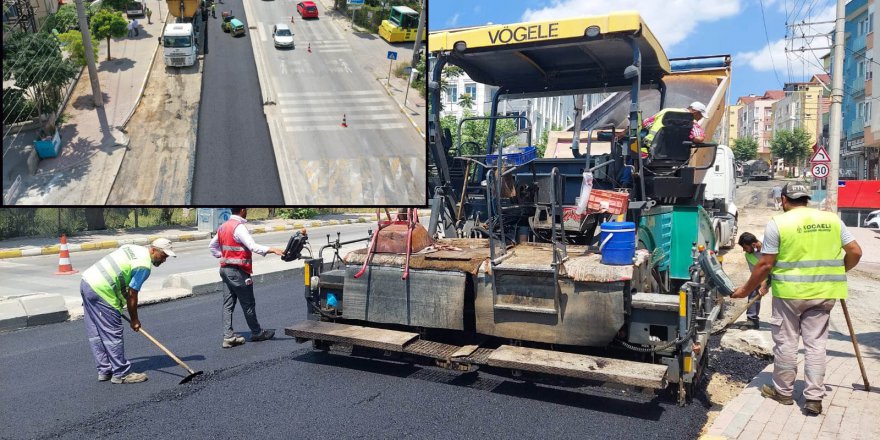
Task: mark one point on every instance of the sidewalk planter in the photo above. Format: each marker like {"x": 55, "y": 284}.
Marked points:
{"x": 48, "y": 145}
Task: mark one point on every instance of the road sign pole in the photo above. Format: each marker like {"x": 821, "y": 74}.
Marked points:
{"x": 388, "y": 81}
{"x": 835, "y": 127}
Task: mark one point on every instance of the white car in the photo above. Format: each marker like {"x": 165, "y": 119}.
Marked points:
{"x": 873, "y": 220}
{"x": 282, "y": 36}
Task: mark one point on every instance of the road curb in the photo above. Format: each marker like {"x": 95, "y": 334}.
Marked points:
{"x": 190, "y": 236}
{"x": 32, "y": 310}
{"x": 402, "y": 108}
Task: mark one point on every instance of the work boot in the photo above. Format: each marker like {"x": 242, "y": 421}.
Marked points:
{"x": 130, "y": 378}
{"x": 755, "y": 323}
{"x": 234, "y": 341}
{"x": 103, "y": 377}
{"x": 813, "y": 407}
{"x": 264, "y": 335}
{"x": 770, "y": 391}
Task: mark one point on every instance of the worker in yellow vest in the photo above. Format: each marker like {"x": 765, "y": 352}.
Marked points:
{"x": 752, "y": 248}
{"x": 655, "y": 123}
{"x": 807, "y": 253}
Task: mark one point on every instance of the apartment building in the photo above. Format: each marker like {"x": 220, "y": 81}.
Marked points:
{"x": 543, "y": 113}
{"x": 861, "y": 124}
{"x": 756, "y": 119}
{"x": 732, "y": 124}
{"x": 800, "y": 107}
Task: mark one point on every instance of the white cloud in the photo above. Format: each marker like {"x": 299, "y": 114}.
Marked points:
{"x": 794, "y": 62}
{"x": 672, "y": 21}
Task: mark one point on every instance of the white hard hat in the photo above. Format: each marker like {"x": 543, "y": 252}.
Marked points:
{"x": 698, "y": 106}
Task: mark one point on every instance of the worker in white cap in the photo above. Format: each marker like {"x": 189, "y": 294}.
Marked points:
{"x": 654, "y": 124}
{"x": 109, "y": 286}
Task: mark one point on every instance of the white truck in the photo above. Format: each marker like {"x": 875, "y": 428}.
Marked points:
{"x": 179, "y": 43}
{"x": 718, "y": 197}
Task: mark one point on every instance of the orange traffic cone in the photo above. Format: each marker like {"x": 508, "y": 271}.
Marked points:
{"x": 344, "y": 124}
{"x": 64, "y": 266}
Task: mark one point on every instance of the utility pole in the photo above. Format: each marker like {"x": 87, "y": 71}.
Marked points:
{"x": 835, "y": 125}
{"x": 90, "y": 54}
{"x": 421, "y": 29}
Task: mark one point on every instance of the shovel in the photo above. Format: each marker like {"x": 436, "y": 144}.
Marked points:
{"x": 183, "y": 364}
{"x": 736, "y": 314}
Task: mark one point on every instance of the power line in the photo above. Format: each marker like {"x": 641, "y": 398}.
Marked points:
{"x": 769, "y": 48}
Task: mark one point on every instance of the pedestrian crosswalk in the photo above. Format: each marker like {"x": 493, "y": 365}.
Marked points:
{"x": 323, "y": 111}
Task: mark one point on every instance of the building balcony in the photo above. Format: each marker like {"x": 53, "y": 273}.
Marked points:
{"x": 856, "y": 126}
{"x": 858, "y": 43}
{"x": 857, "y": 86}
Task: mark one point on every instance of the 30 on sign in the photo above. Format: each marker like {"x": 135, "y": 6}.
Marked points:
{"x": 820, "y": 170}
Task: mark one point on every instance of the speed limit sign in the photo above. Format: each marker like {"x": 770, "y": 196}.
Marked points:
{"x": 820, "y": 170}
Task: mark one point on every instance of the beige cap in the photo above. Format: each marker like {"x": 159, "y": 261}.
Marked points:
{"x": 698, "y": 106}
{"x": 164, "y": 245}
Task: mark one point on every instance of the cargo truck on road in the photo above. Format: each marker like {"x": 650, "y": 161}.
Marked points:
{"x": 180, "y": 39}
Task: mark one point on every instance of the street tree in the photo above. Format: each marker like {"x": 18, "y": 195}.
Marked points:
{"x": 745, "y": 148}
{"x": 73, "y": 44}
{"x": 466, "y": 101}
{"x": 63, "y": 20}
{"x": 793, "y": 146}
{"x": 106, "y": 24}
{"x": 477, "y": 132}
{"x": 35, "y": 63}
{"x": 116, "y": 5}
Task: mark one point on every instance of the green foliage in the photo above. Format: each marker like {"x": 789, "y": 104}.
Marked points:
{"x": 792, "y": 146}
{"x": 106, "y": 24}
{"x": 25, "y": 60}
{"x": 17, "y": 107}
{"x": 478, "y": 132}
{"x": 115, "y": 5}
{"x": 542, "y": 143}
{"x": 466, "y": 101}
{"x": 63, "y": 20}
{"x": 298, "y": 213}
{"x": 419, "y": 81}
{"x": 73, "y": 45}
{"x": 745, "y": 148}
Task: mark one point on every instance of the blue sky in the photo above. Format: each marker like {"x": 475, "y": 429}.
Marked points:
{"x": 685, "y": 28}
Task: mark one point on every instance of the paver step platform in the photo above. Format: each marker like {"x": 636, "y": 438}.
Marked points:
{"x": 536, "y": 360}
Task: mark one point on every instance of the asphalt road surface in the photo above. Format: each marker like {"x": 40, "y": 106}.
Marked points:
{"x": 281, "y": 389}
{"x": 378, "y": 158}
{"x": 234, "y": 160}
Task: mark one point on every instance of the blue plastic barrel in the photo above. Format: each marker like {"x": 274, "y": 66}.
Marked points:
{"x": 617, "y": 243}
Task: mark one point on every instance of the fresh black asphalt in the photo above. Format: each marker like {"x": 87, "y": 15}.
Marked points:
{"x": 235, "y": 162}
{"x": 284, "y": 390}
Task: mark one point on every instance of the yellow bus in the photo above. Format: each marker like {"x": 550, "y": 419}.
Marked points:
{"x": 401, "y": 25}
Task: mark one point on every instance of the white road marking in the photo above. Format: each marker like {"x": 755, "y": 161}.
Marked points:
{"x": 331, "y": 101}
{"x": 367, "y": 126}
{"x": 337, "y": 109}
{"x": 334, "y": 93}
{"x": 350, "y": 117}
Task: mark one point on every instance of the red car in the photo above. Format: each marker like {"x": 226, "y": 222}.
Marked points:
{"x": 307, "y": 9}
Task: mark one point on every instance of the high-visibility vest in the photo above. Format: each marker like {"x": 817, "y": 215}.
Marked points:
{"x": 655, "y": 127}
{"x": 232, "y": 253}
{"x": 103, "y": 276}
{"x": 809, "y": 264}
{"x": 751, "y": 258}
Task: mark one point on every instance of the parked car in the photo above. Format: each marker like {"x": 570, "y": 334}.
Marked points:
{"x": 873, "y": 220}
{"x": 307, "y": 9}
{"x": 282, "y": 36}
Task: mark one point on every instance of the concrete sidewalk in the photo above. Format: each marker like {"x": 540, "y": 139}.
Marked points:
{"x": 93, "y": 140}
{"x": 415, "y": 108}
{"x": 92, "y": 240}
{"x": 849, "y": 411}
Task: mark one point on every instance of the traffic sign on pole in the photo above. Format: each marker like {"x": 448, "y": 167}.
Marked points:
{"x": 820, "y": 156}
{"x": 820, "y": 170}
